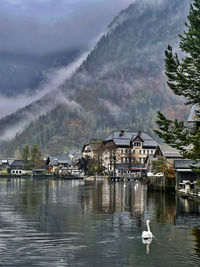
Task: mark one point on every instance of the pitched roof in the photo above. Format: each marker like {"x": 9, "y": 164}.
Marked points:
{"x": 169, "y": 152}
{"x": 16, "y": 162}
{"x": 124, "y": 139}
{"x": 55, "y": 160}
{"x": 92, "y": 144}
{"x": 185, "y": 163}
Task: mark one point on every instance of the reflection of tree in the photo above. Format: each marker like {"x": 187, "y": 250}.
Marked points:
{"x": 30, "y": 197}
{"x": 196, "y": 234}
{"x": 166, "y": 210}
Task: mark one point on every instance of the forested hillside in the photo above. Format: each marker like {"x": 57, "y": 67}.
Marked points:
{"x": 121, "y": 84}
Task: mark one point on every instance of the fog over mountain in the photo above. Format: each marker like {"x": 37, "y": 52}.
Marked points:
{"x": 39, "y": 38}
{"x": 121, "y": 83}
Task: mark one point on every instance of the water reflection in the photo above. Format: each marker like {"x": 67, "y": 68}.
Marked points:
{"x": 77, "y": 223}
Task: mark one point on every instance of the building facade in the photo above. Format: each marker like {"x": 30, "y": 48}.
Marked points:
{"x": 127, "y": 151}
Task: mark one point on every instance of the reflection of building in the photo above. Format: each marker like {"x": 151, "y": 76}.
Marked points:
{"x": 105, "y": 197}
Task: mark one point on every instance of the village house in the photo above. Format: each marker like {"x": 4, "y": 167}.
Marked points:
{"x": 184, "y": 171}
{"x": 5, "y": 165}
{"x": 92, "y": 148}
{"x": 164, "y": 151}
{"x": 167, "y": 152}
{"x": 17, "y": 167}
{"x": 127, "y": 151}
{"x": 56, "y": 162}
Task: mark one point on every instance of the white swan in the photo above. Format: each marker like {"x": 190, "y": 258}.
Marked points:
{"x": 147, "y": 234}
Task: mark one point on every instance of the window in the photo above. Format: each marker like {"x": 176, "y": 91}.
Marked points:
{"x": 137, "y": 143}
{"x": 123, "y": 160}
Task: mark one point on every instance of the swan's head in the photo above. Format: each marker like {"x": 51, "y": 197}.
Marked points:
{"x": 147, "y": 221}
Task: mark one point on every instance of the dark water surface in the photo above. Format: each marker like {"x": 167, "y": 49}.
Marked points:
{"x": 77, "y": 223}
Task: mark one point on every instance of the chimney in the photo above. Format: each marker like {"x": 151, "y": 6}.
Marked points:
{"x": 139, "y": 133}
{"x": 121, "y": 133}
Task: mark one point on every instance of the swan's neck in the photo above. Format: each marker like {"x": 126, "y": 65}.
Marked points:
{"x": 148, "y": 227}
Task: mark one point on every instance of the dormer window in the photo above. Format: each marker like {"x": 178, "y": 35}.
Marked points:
{"x": 137, "y": 144}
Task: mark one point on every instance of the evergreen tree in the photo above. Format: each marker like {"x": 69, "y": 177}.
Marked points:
{"x": 184, "y": 80}
{"x": 26, "y": 156}
{"x": 35, "y": 156}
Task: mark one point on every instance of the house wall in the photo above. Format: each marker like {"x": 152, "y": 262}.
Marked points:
{"x": 53, "y": 168}
{"x": 137, "y": 154}
{"x": 88, "y": 152}
{"x": 19, "y": 172}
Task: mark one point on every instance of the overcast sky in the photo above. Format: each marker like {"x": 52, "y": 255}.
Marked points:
{"x": 41, "y": 26}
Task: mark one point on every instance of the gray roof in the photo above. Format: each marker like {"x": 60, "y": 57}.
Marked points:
{"x": 185, "y": 163}
{"x": 169, "y": 152}
{"x": 56, "y": 160}
{"x": 193, "y": 113}
{"x": 16, "y": 162}
{"x": 122, "y": 142}
{"x": 127, "y": 137}
{"x": 150, "y": 143}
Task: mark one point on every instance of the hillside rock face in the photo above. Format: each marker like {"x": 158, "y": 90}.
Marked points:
{"x": 121, "y": 84}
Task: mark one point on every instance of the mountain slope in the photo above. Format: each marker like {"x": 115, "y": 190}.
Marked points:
{"x": 120, "y": 84}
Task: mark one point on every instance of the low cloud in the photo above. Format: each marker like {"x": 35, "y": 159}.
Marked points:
{"x": 54, "y": 79}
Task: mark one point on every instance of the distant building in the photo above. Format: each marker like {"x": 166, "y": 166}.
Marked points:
{"x": 128, "y": 150}
{"x": 184, "y": 171}
{"x": 74, "y": 155}
{"x": 92, "y": 147}
{"x": 5, "y": 164}
{"x": 55, "y": 162}
{"x": 167, "y": 152}
{"x": 17, "y": 167}
{"x": 164, "y": 151}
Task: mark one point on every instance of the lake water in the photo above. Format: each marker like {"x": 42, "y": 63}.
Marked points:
{"x": 77, "y": 223}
